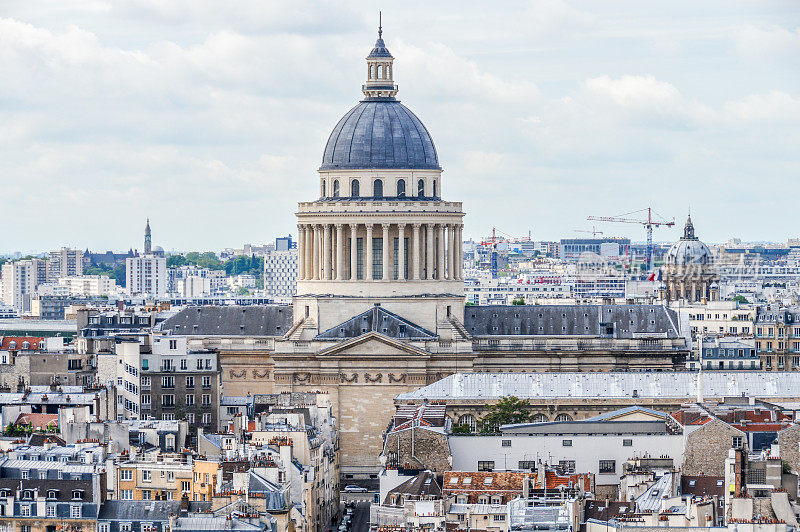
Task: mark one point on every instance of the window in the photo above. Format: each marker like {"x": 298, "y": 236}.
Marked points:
{"x": 189, "y": 399}
{"x": 50, "y": 510}
{"x": 168, "y": 400}
{"x": 184, "y": 364}
{"x": 323, "y": 189}
{"x": 126, "y": 495}
{"x": 103, "y": 527}
{"x": 608, "y": 466}
{"x": 25, "y": 474}
{"x": 567, "y": 466}
{"x": 75, "y": 511}
{"x": 25, "y": 510}
{"x": 737, "y": 442}
{"x": 167, "y": 382}
{"x": 186, "y": 486}
{"x": 126, "y": 474}
{"x": 377, "y": 188}
{"x": 483, "y": 499}
{"x": 499, "y": 517}
{"x": 527, "y": 464}
{"x": 566, "y": 443}
{"x": 190, "y": 382}
{"x": 145, "y": 381}
{"x": 354, "y": 189}
{"x": 485, "y": 465}
{"x": 190, "y": 418}
{"x": 173, "y": 344}
{"x": 207, "y": 382}
{"x": 627, "y": 443}
{"x": 335, "y": 188}
{"x": 421, "y": 188}
{"x": 146, "y": 496}
{"x": 125, "y": 527}
{"x": 434, "y": 188}
{"x": 146, "y": 400}
{"x": 377, "y": 258}
{"x": 206, "y": 418}
{"x": 77, "y": 495}
{"x": 147, "y": 475}
{"x": 206, "y": 399}
{"x": 506, "y": 443}
{"x": 401, "y": 188}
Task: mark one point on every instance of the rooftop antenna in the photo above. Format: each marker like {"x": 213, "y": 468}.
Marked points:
{"x": 380, "y": 28}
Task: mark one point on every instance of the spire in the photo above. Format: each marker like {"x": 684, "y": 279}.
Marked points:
{"x": 380, "y": 83}
{"x": 147, "y": 238}
{"x": 688, "y": 230}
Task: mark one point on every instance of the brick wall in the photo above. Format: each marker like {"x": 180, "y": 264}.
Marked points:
{"x": 707, "y": 448}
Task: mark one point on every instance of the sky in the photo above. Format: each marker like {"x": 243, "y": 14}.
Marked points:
{"x": 210, "y": 117}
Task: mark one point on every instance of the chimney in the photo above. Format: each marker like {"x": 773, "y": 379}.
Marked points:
{"x": 184, "y": 503}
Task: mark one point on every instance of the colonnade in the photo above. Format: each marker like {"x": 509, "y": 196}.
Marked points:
{"x": 380, "y": 251}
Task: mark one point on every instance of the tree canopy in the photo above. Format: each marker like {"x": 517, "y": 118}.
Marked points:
{"x": 506, "y": 411}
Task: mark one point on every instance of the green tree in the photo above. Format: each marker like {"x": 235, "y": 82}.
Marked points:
{"x": 176, "y": 261}
{"x": 506, "y": 411}
{"x": 460, "y": 429}
{"x": 740, "y": 299}
{"x": 242, "y": 291}
{"x": 519, "y": 300}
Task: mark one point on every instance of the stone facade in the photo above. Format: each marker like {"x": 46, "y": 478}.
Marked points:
{"x": 789, "y": 442}
{"x": 707, "y": 448}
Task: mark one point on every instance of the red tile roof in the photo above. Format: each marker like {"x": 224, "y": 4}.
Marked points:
{"x": 34, "y": 342}
{"x": 38, "y": 421}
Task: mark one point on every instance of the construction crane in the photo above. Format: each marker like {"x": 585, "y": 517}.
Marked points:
{"x": 494, "y": 240}
{"x": 648, "y": 224}
{"x": 594, "y": 231}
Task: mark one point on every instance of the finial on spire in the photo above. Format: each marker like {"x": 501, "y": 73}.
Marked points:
{"x": 380, "y": 26}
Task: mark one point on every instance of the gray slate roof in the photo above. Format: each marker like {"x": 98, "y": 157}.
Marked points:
{"x": 629, "y": 321}
{"x": 379, "y": 134}
{"x": 655, "y": 385}
{"x": 380, "y": 320}
{"x": 138, "y": 510}
{"x": 254, "y": 320}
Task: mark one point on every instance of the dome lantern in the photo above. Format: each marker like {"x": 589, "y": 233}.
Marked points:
{"x": 380, "y": 81}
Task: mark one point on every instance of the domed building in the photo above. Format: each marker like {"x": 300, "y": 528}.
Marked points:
{"x": 688, "y": 272}
{"x": 379, "y": 233}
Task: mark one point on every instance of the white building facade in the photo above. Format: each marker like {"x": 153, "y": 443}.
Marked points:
{"x": 146, "y": 275}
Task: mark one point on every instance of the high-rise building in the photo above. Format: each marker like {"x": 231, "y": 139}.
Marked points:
{"x": 146, "y": 275}
{"x": 20, "y": 279}
{"x": 64, "y": 262}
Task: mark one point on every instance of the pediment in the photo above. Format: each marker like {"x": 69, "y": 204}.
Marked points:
{"x": 373, "y": 344}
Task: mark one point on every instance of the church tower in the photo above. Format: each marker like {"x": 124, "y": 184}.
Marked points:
{"x": 380, "y": 232}
{"x": 148, "y": 244}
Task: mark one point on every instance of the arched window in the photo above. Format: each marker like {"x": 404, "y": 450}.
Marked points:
{"x": 323, "y": 189}
{"x": 377, "y": 189}
{"x": 372, "y": 72}
{"x": 380, "y": 71}
{"x": 354, "y": 189}
{"x": 563, "y": 417}
{"x": 468, "y": 420}
{"x": 336, "y": 188}
{"x": 388, "y": 71}
{"x": 26, "y": 345}
{"x": 539, "y": 418}
{"x": 401, "y": 188}
{"x": 434, "y": 188}
{"x": 12, "y": 344}
{"x": 421, "y": 188}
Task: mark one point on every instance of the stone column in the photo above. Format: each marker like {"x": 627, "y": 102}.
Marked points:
{"x": 326, "y": 252}
{"x": 429, "y": 253}
{"x": 339, "y": 252}
{"x": 387, "y": 270}
{"x": 440, "y": 262}
{"x": 301, "y": 255}
{"x": 458, "y": 256}
{"x": 451, "y": 262}
{"x": 401, "y": 252}
{"x": 316, "y": 252}
{"x": 368, "y": 253}
{"x": 415, "y": 252}
{"x": 353, "y": 252}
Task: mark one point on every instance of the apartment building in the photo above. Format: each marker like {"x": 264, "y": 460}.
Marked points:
{"x": 144, "y": 478}
{"x": 146, "y": 275}
{"x": 777, "y": 338}
{"x": 64, "y": 262}
{"x": 20, "y": 280}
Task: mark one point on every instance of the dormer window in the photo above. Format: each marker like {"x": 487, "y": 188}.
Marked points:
{"x": 77, "y": 495}
{"x": 52, "y": 494}
{"x": 27, "y": 495}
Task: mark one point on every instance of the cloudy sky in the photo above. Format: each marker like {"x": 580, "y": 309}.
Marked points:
{"x": 210, "y": 117}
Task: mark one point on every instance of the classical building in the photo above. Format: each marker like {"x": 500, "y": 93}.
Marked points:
{"x": 380, "y": 309}
{"x": 688, "y": 272}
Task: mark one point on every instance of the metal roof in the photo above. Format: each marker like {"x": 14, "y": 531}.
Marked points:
{"x": 680, "y": 385}
{"x": 379, "y": 134}
{"x": 255, "y": 320}
{"x": 626, "y": 321}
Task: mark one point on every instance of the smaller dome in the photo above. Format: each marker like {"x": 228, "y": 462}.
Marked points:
{"x": 688, "y": 250}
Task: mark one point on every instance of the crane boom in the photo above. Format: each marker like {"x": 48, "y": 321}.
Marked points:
{"x": 648, "y": 224}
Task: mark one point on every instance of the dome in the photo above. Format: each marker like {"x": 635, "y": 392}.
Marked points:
{"x": 688, "y": 250}
{"x": 380, "y": 133}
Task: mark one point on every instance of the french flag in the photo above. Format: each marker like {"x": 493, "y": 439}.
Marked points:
{"x": 655, "y": 276}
